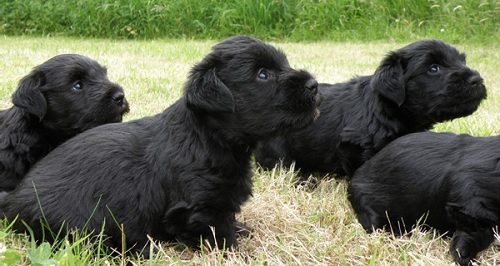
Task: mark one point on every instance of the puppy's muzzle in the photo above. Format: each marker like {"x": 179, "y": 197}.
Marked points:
{"x": 118, "y": 98}
{"x": 475, "y": 79}
{"x": 312, "y": 85}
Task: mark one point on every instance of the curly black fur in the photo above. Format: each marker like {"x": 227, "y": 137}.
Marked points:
{"x": 452, "y": 181}
{"x": 414, "y": 88}
{"x": 174, "y": 175}
{"x": 60, "y": 98}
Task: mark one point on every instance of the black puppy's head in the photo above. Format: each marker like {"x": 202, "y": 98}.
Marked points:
{"x": 430, "y": 81}
{"x": 69, "y": 94}
{"x": 251, "y": 86}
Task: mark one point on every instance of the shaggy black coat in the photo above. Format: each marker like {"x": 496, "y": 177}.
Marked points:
{"x": 181, "y": 174}
{"x": 445, "y": 181}
{"x": 60, "y": 98}
{"x": 414, "y": 88}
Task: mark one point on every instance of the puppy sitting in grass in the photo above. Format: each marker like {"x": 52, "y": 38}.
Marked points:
{"x": 182, "y": 174}
{"x": 60, "y": 98}
{"x": 448, "y": 182}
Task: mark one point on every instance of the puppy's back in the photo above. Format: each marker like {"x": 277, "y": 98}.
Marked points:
{"x": 418, "y": 173}
{"x": 66, "y": 162}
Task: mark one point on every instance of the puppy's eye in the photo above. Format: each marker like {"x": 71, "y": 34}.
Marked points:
{"x": 78, "y": 86}
{"x": 263, "y": 74}
{"x": 434, "y": 68}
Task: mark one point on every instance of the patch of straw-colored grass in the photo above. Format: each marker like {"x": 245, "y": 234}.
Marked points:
{"x": 293, "y": 223}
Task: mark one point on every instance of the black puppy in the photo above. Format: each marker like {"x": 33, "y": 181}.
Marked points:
{"x": 175, "y": 175}
{"x": 449, "y": 182}
{"x": 60, "y": 98}
{"x": 414, "y": 88}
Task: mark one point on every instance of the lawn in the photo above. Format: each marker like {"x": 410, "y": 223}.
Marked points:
{"x": 292, "y": 225}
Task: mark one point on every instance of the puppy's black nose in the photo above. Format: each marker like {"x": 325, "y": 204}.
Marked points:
{"x": 118, "y": 97}
{"x": 475, "y": 79}
{"x": 312, "y": 85}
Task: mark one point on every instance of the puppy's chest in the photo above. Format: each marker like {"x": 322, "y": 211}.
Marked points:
{"x": 229, "y": 179}
{"x": 220, "y": 185}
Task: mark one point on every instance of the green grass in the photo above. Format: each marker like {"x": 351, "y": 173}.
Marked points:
{"x": 291, "y": 225}
{"x": 298, "y": 20}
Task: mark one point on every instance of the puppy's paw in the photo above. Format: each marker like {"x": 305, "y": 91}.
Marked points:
{"x": 466, "y": 245}
{"x": 461, "y": 251}
{"x": 242, "y": 230}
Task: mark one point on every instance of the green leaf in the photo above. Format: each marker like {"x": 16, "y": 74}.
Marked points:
{"x": 11, "y": 257}
{"x": 40, "y": 256}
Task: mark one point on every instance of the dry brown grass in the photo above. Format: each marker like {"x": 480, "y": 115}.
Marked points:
{"x": 297, "y": 225}
{"x": 292, "y": 224}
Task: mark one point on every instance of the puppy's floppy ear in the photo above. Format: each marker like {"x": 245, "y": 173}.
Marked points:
{"x": 388, "y": 79}
{"x": 206, "y": 91}
{"x": 28, "y": 95}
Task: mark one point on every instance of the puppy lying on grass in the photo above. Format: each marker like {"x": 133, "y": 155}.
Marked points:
{"x": 452, "y": 181}
{"x": 60, "y": 98}
{"x": 414, "y": 88}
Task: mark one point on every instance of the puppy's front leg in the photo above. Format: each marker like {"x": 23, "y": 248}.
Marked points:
{"x": 190, "y": 224}
{"x": 225, "y": 234}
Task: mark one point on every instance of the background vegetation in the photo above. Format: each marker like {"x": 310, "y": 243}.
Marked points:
{"x": 292, "y": 20}
{"x": 292, "y": 225}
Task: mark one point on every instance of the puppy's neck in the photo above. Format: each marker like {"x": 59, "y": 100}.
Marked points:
{"x": 18, "y": 120}
{"x": 223, "y": 130}
{"x": 226, "y": 136}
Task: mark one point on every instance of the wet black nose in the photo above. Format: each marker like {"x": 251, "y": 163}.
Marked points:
{"x": 312, "y": 85}
{"x": 118, "y": 98}
{"x": 475, "y": 79}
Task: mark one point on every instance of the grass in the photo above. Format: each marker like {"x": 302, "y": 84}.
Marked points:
{"x": 298, "y": 20}
{"x": 292, "y": 225}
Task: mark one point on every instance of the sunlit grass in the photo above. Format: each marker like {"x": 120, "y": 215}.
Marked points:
{"x": 292, "y": 225}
